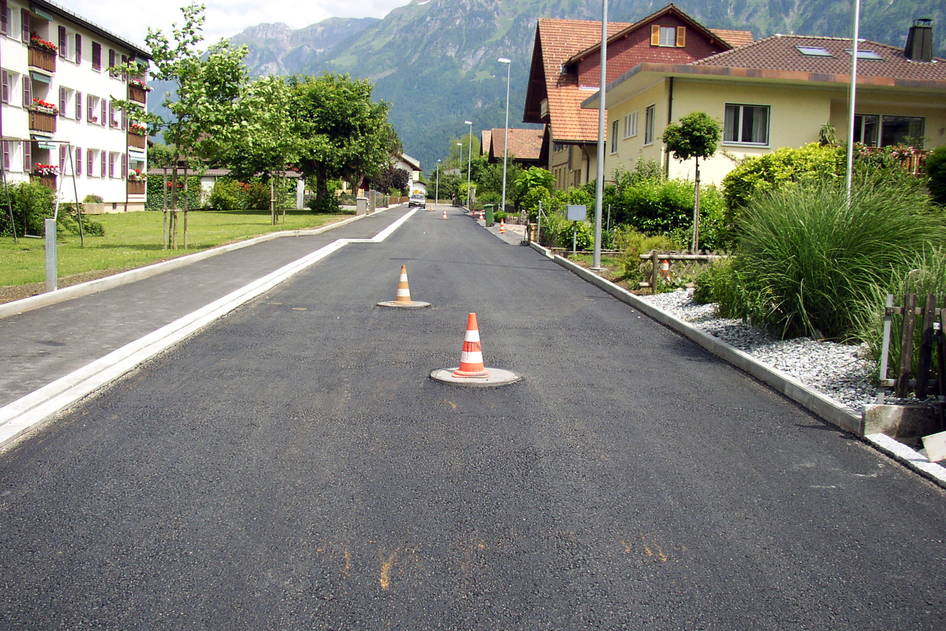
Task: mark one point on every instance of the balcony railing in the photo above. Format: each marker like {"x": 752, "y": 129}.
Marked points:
{"x": 136, "y": 188}
{"x": 137, "y": 94}
{"x": 41, "y": 121}
{"x": 49, "y": 181}
{"x": 134, "y": 140}
{"x": 42, "y": 59}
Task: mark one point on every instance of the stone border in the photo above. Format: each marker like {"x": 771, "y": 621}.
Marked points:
{"x": 815, "y": 402}
{"x": 23, "y": 305}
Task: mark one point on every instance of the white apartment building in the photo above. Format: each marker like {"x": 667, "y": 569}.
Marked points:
{"x": 57, "y": 121}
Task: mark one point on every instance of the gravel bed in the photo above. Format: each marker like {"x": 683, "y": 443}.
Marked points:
{"x": 839, "y": 371}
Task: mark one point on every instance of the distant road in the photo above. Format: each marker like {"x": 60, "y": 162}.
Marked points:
{"x": 292, "y": 467}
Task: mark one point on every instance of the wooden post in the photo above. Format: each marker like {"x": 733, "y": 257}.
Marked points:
{"x": 885, "y": 340}
{"x": 906, "y": 344}
{"x": 926, "y": 347}
{"x": 653, "y": 272}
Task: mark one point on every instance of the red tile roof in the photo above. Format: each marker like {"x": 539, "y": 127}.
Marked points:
{"x": 780, "y": 53}
{"x": 524, "y": 144}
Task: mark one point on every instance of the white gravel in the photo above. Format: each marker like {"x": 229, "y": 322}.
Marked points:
{"x": 839, "y": 371}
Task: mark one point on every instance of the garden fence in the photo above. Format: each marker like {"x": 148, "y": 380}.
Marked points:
{"x": 914, "y": 369}
{"x": 660, "y": 264}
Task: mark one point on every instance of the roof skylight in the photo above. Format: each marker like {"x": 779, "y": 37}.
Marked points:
{"x": 866, "y": 54}
{"x": 814, "y": 51}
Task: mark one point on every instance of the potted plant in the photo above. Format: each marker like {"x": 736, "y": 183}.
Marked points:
{"x": 138, "y": 129}
{"x": 39, "y": 105}
{"x": 45, "y": 169}
{"x": 140, "y": 84}
{"x": 135, "y": 175}
{"x": 38, "y": 42}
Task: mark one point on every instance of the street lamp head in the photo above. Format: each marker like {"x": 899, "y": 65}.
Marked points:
{"x": 467, "y": 122}
{"x": 503, "y": 60}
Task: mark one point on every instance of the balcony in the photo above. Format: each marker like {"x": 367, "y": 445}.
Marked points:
{"x": 136, "y": 188}
{"x": 42, "y": 59}
{"x": 42, "y": 122}
{"x": 136, "y": 141}
{"x": 137, "y": 94}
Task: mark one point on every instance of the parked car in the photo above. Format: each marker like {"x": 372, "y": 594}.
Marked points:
{"x": 417, "y": 200}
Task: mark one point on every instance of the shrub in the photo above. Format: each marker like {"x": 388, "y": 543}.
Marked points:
{"x": 936, "y": 170}
{"x": 227, "y": 194}
{"x": 806, "y": 258}
{"x": 717, "y": 282}
{"x": 159, "y": 191}
{"x": 68, "y": 221}
{"x": 328, "y": 205}
{"x": 92, "y": 199}
{"x": 633, "y": 244}
{"x": 31, "y": 203}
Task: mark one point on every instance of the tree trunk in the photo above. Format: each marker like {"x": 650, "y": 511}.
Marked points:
{"x": 696, "y": 211}
{"x": 164, "y": 206}
{"x": 272, "y": 199}
{"x": 172, "y": 232}
{"x": 186, "y": 208}
{"x": 321, "y": 189}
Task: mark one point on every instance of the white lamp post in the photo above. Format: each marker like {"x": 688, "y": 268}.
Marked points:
{"x": 850, "y": 114}
{"x": 508, "y": 63}
{"x": 469, "y": 161}
{"x": 437, "y": 194}
{"x": 599, "y": 188}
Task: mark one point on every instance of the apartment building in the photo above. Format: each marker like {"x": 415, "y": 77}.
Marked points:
{"x": 58, "y": 122}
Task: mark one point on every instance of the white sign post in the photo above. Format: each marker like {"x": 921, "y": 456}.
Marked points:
{"x": 577, "y": 212}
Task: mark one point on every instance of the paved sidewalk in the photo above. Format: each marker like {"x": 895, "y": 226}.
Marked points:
{"x": 43, "y": 345}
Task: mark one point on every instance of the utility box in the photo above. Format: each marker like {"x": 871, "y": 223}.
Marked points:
{"x": 488, "y": 209}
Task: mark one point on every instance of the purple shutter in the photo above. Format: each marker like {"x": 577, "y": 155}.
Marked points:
{"x": 62, "y": 158}
{"x": 78, "y": 48}
{"x": 5, "y": 81}
{"x": 102, "y": 163}
{"x": 90, "y": 111}
{"x": 62, "y": 42}
{"x": 78, "y": 161}
{"x": 25, "y": 24}
{"x": 124, "y": 173}
{"x": 111, "y": 61}
{"x": 4, "y": 17}
{"x": 89, "y": 156}
{"x": 102, "y": 121}
{"x": 27, "y": 157}
{"x": 96, "y": 56}
{"x": 78, "y": 106}
{"x": 6, "y": 155}
{"x": 27, "y": 90}
{"x": 62, "y": 100}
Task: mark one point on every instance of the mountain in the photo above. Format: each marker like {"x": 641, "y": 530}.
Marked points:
{"x": 434, "y": 61}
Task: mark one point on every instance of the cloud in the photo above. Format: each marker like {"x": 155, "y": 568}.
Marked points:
{"x": 223, "y": 19}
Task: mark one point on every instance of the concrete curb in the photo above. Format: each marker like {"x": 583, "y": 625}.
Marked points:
{"x": 23, "y": 305}
{"x": 815, "y": 402}
{"x": 21, "y": 415}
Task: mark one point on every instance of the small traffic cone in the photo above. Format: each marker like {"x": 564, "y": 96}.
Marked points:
{"x": 665, "y": 268}
{"x": 502, "y": 226}
{"x": 444, "y": 214}
{"x": 471, "y": 359}
{"x": 402, "y": 297}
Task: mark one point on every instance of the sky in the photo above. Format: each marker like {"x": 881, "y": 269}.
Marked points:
{"x": 224, "y": 18}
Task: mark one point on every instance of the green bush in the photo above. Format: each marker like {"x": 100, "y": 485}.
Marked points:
{"x": 806, "y": 258}
{"x": 328, "y": 205}
{"x": 936, "y": 170}
{"x": 92, "y": 199}
{"x": 32, "y": 204}
{"x": 717, "y": 282}
{"x": 633, "y": 243}
{"x": 926, "y": 275}
{"x": 159, "y": 191}
{"x": 69, "y": 222}
{"x": 227, "y": 194}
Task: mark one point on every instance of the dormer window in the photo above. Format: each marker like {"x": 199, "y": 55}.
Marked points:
{"x": 668, "y": 36}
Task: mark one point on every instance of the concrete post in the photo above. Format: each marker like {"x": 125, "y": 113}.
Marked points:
{"x": 52, "y": 274}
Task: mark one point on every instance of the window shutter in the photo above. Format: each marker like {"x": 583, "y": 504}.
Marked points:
{"x": 124, "y": 173}
{"x": 90, "y": 113}
{"x": 102, "y": 121}
{"x": 25, "y": 25}
{"x": 62, "y": 100}
{"x": 78, "y": 106}
{"x": 655, "y": 35}
{"x": 78, "y": 48}
{"x": 89, "y": 156}
{"x": 4, "y": 25}
{"x": 62, "y": 41}
{"x": 27, "y": 91}
{"x": 78, "y": 161}
{"x": 681, "y": 36}
{"x": 5, "y": 81}
{"x": 62, "y": 159}
{"x": 27, "y": 157}
{"x": 102, "y": 163}
{"x": 6, "y": 155}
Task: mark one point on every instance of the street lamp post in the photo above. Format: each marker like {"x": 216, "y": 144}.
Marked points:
{"x": 599, "y": 187}
{"x": 437, "y": 194}
{"x": 469, "y": 161}
{"x": 849, "y": 169}
{"x": 508, "y": 63}
{"x": 459, "y": 170}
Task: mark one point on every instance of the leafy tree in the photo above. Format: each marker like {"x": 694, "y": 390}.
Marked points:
{"x": 936, "y": 170}
{"x": 343, "y": 133}
{"x": 532, "y": 186}
{"x": 391, "y": 178}
{"x": 695, "y": 136}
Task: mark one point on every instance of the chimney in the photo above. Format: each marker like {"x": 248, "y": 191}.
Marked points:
{"x": 920, "y": 40}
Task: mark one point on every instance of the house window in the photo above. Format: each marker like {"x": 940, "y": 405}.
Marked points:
{"x": 630, "y": 125}
{"x": 882, "y": 130}
{"x": 746, "y": 124}
{"x": 91, "y": 103}
{"x": 6, "y": 155}
{"x": 111, "y": 62}
{"x": 614, "y": 136}
{"x": 78, "y": 48}
{"x": 649, "y": 122}
{"x": 670, "y": 36}
{"x": 96, "y": 56}
{"x": 63, "y": 43}
{"x": 113, "y": 115}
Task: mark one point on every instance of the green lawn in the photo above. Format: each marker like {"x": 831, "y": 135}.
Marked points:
{"x": 134, "y": 239}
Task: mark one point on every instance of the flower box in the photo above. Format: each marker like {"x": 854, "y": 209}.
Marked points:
{"x": 45, "y": 107}
{"x": 42, "y": 44}
{"x": 45, "y": 169}
{"x": 138, "y": 129}
{"x": 141, "y": 85}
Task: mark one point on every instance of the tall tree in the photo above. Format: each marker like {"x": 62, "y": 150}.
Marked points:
{"x": 343, "y": 133}
{"x": 695, "y": 136}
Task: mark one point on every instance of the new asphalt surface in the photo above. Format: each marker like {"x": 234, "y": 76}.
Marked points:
{"x": 292, "y": 467}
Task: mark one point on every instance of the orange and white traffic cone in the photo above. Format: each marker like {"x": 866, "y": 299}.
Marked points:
{"x": 471, "y": 359}
{"x": 502, "y": 226}
{"x": 665, "y": 268}
{"x": 402, "y": 297}
{"x": 444, "y": 214}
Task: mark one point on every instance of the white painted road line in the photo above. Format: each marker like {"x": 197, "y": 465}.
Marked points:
{"x": 26, "y": 412}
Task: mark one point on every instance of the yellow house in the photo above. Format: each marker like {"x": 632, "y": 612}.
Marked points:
{"x": 778, "y": 92}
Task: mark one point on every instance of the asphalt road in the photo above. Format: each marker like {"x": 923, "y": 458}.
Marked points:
{"x": 294, "y": 468}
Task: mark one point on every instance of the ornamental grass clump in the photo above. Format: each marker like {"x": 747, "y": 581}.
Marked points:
{"x": 806, "y": 260}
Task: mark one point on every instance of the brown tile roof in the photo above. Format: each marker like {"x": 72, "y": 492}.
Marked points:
{"x": 733, "y": 37}
{"x": 780, "y": 53}
{"x": 486, "y": 137}
{"x": 524, "y": 144}
{"x": 560, "y": 39}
